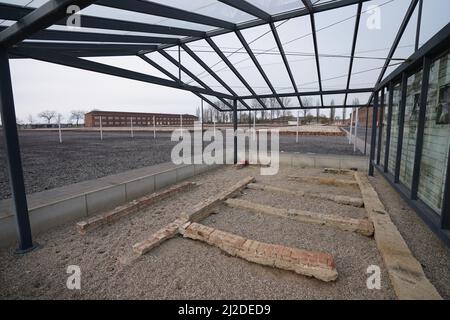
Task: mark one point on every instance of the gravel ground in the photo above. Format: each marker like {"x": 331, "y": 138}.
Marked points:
{"x": 48, "y": 164}
{"x": 185, "y": 269}
{"x": 425, "y": 246}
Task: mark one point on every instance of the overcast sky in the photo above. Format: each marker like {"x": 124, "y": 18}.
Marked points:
{"x": 39, "y": 86}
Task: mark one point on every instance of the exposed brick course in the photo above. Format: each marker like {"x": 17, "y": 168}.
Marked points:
{"x": 310, "y": 263}
{"x": 131, "y": 207}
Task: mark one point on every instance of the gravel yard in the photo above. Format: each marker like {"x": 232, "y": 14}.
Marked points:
{"x": 48, "y": 164}
{"x": 187, "y": 269}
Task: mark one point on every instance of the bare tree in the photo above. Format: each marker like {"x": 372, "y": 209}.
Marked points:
{"x": 47, "y": 115}
{"x": 76, "y": 115}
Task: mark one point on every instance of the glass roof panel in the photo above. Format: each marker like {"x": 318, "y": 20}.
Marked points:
{"x": 211, "y": 8}
{"x": 192, "y": 65}
{"x": 277, "y": 6}
{"x": 435, "y": 16}
{"x": 261, "y": 41}
{"x": 118, "y": 32}
{"x": 113, "y": 13}
{"x": 241, "y": 61}
{"x": 377, "y": 31}
{"x": 296, "y": 37}
{"x": 210, "y": 57}
{"x": 25, "y": 3}
{"x": 335, "y": 30}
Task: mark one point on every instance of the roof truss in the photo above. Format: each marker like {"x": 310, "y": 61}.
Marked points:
{"x": 30, "y": 37}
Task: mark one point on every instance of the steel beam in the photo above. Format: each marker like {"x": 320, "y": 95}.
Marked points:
{"x": 174, "y": 78}
{"x": 212, "y": 73}
{"x": 316, "y": 53}
{"x": 388, "y": 127}
{"x": 14, "y": 12}
{"x": 401, "y": 125}
{"x": 39, "y": 19}
{"x": 285, "y": 61}
{"x": 419, "y": 24}
{"x": 304, "y": 108}
{"x": 13, "y": 158}
{"x": 434, "y": 47}
{"x": 420, "y": 127}
{"x": 310, "y": 93}
{"x": 380, "y": 131}
{"x": 234, "y": 70}
{"x": 58, "y": 35}
{"x": 374, "y": 135}
{"x": 235, "y": 127}
{"x": 93, "y": 47}
{"x": 258, "y": 66}
{"x": 107, "y": 69}
{"x": 157, "y": 9}
{"x": 352, "y": 55}
{"x": 397, "y": 39}
{"x": 248, "y": 8}
{"x": 367, "y": 126}
{"x": 445, "y": 213}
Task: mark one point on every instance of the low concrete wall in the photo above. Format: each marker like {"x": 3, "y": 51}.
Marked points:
{"x": 323, "y": 161}
{"x": 51, "y": 208}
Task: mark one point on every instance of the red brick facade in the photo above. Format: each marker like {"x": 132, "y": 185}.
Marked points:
{"x": 362, "y": 116}
{"x": 123, "y": 119}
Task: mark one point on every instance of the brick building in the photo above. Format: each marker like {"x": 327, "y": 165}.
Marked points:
{"x": 362, "y": 117}
{"x": 123, "y": 119}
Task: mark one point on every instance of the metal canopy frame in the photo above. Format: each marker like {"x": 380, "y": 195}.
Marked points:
{"x": 30, "y": 37}
{"x": 33, "y": 35}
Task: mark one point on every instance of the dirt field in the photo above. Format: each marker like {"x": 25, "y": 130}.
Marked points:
{"x": 187, "y": 269}
{"x": 82, "y": 156}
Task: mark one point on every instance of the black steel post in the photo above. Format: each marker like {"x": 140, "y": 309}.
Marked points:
{"x": 419, "y": 24}
{"x": 367, "y": 125}
{"x": 380, "y": 127}
{"x": 401, "y": 125}
{"x": 389, "y": 127}
{"x": 13, "y": 156}
{"x": 445, "y": 214}
{"x": 235, "y": 126}
{"x": 203, "y": 141}
{"x": 420, "y": 127}
{"x": 374, "y": 134}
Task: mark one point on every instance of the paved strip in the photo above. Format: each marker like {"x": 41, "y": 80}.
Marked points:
{"x": 131, "y": 207}
{"x": 315, "y": 264}
{"x": 405, "y": 272}
{"x": 326, "y": 181}
{"x": 350, "y": 201}
{"x": 361, "y": 226}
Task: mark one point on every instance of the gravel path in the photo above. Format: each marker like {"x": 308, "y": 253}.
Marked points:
{"x": 48, "y": 164}
{"x": 186, "y": 269}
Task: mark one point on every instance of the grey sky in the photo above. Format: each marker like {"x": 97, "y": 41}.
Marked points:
{"x": 38, "y": 86}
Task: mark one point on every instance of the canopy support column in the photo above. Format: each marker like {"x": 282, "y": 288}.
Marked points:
{"x": 13, "y": 158}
